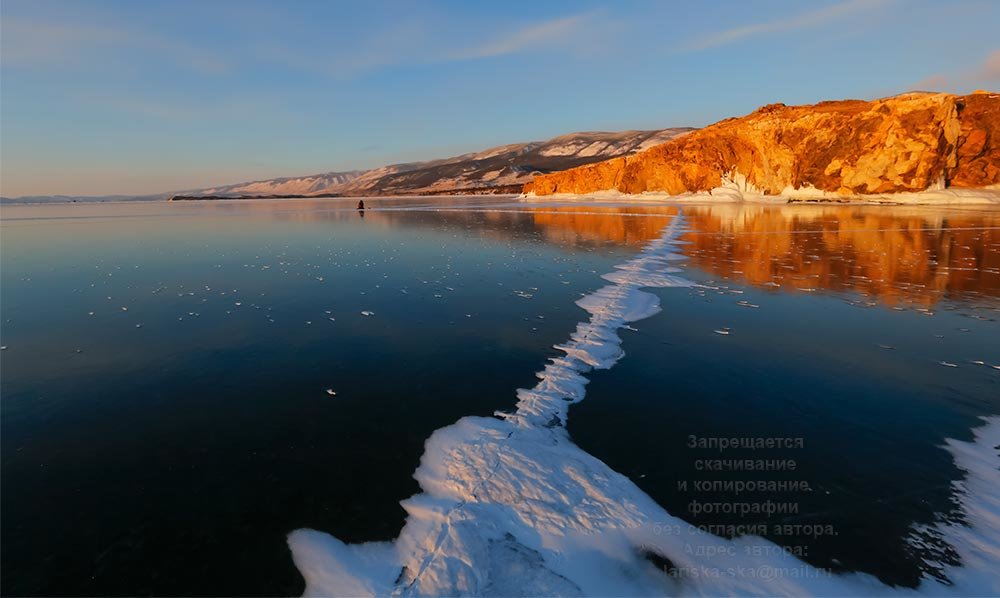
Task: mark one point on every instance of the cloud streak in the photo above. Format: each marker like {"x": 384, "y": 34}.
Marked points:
{"x": 30, "y": 43}
{"x": 987, "y": 73}
{"x": 805, "y": 20}
{"x": 990, "y": 70}
{"x": 38, "y": 41}
{"x": 416, "y": 43}
{"x": 547, "y": 33}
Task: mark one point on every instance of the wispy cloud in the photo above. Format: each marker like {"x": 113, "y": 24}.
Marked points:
{"x": 932, "y": 83}
{"x": 550, "y": 33}
{"x": 986, "y": 73}
{"x": 813, "y": 18}
{"x": 36, "y": 42}
{"x": 46, "y": 41}
{"x": 415, "y": 42}
{"x": 990, "y": 70}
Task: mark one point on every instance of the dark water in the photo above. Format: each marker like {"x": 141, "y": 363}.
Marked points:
{"x": 172, "y": 458}
{"x": 841, "y": 322}
{"x": 167, "y": 448}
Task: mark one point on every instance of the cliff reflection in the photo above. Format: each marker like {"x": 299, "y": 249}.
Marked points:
{"x": 892, "y": 255}
{"x": 590, "y": 225}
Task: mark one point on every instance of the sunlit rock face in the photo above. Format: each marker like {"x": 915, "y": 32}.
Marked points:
{"x": 978, "y": 155}
{"x": 910, "y": 142}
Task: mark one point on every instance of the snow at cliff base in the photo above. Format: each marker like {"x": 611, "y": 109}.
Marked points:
{"x": 736, "y": 188}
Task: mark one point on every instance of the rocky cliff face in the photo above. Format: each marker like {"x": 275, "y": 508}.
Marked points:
{"x": 905, "y": 143}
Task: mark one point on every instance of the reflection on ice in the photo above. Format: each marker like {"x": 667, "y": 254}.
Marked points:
{"x": 895, "y": 256}
{"x": 511, "y": 507}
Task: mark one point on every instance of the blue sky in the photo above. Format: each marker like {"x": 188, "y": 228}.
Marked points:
{"x": 142, "y": 97}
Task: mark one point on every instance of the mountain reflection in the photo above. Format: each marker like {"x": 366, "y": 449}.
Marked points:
{"x": 893, "y": 255}
{"x": 589, "y": 225}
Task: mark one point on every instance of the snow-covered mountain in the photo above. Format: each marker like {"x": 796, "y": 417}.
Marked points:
{"x": 502, "y": 168}
{"x": 306, "y": 185}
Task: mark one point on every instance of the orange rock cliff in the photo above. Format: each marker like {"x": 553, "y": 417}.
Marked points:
{"x": 909, "y": 142}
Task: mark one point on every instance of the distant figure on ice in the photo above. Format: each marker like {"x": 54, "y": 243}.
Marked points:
{"x": 361, "y": 204}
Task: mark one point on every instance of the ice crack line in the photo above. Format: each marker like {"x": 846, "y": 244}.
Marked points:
{"x": 595, "y": 344}
{"x": 510, "y": 506}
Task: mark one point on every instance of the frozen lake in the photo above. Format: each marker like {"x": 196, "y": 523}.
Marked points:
{"x": 186, "y": 383}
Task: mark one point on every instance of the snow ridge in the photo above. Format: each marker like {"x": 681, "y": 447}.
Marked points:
{"x": 510, "y": 506}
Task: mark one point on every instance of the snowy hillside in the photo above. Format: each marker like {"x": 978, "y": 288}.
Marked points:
{"x": 499, "y": 168}
{"x": 306, "y": 185}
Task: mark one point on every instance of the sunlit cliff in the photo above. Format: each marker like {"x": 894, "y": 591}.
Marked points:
{"x": 910, "y": 142}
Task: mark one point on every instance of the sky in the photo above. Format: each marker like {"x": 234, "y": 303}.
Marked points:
{"x": 123, "y": 97}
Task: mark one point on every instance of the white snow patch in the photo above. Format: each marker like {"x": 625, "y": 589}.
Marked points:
{"x": 563, "y": 149}
{"x": 978, "y": 543}
{"x": 594, "y": 149}
{"x": 489, "y": 176}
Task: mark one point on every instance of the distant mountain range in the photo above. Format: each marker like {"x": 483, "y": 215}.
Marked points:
{"x": 503, "y": 169}
{"x": 498, "y": 169}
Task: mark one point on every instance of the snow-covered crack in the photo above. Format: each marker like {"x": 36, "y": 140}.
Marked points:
{"x": 511, "y": 506}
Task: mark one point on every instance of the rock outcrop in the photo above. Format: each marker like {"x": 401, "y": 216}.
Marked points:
{"x": 910, "y": 142}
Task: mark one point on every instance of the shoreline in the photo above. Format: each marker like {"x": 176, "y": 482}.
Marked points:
{"x": 726, "y": 194}
{"x": 732, "y": 193}
{"x": 15, "y": 202}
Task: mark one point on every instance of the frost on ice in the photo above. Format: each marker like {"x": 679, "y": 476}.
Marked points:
{"x": 510, "y": 506}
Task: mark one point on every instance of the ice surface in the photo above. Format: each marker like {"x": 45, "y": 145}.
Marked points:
{"x": 510, "y": 506}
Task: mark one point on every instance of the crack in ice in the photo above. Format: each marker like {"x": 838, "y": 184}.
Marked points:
{"x": 510, "y": 506}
